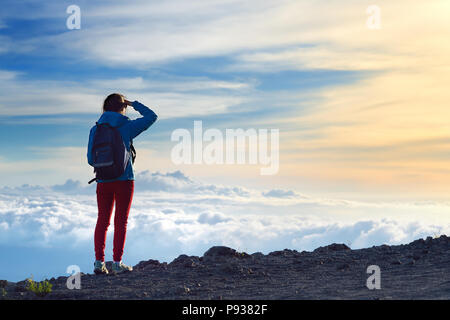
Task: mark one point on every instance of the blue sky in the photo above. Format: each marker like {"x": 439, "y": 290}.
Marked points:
{"x": 362, "y": 116}
{"x": 36, "y": 66}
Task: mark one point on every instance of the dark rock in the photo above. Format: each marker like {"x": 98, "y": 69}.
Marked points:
{"x": 418, "y": 242}
{"x": 230, "y": 268}
{"x": 257, "y": 255}
{"x": 185, "y": 261}
{"x": 277, "y": 253}
{"x": 180, "y": 259}
{"x": 443, "y": 238}
{"x": 343, "y": 266}
{"x": 285, "y": 253}
{"x": 179, "y": 290}
{"x": 332, "y": 247}
{"x": 243, "y": 255}
{"x": 148, "y": 263}
{"x": 20, "y": 288}
{"x": 219, "y": 253}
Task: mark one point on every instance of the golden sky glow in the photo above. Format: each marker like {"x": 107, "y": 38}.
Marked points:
{"x": 391, "y": 130}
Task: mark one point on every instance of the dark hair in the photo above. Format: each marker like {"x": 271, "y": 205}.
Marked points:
{"x": 114, "y": 102}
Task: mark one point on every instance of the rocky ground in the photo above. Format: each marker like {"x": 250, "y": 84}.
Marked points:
{"x": 419, "y": 270}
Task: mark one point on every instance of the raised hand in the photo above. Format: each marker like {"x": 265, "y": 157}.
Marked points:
{"x": 127, "y": 102}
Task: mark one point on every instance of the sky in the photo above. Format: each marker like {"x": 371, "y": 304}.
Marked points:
{"x": 362, "y": 115}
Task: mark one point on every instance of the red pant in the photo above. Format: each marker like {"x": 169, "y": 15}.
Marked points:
{"x": 107, "y": 192}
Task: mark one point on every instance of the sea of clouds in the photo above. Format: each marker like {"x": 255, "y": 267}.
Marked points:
{"x": 44, "y": 229}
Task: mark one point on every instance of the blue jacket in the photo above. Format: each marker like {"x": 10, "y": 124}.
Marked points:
{"x": 128, "y": 129}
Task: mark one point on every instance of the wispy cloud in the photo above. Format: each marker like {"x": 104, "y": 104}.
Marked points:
{"x": 40, "y": 97}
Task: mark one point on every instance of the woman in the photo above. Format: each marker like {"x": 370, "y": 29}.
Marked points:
{"x": 119, "y": 190}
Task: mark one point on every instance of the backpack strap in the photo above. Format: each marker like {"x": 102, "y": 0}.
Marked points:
{"x": 106, "y": 124}
{"x": 133, "y": 152}
{"x": 132, "y": 149}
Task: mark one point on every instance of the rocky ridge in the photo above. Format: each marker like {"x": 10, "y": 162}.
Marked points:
{"x": 418, "y": 270}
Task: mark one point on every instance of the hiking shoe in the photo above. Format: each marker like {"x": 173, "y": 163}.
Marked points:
{"x": 120, "y": 267}
{"x": 100, "y": 267}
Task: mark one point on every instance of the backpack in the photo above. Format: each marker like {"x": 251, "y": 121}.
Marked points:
{"x": 109, "y": 154}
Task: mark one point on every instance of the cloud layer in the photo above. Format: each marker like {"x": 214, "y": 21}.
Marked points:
{"x": 174, "y": 214}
